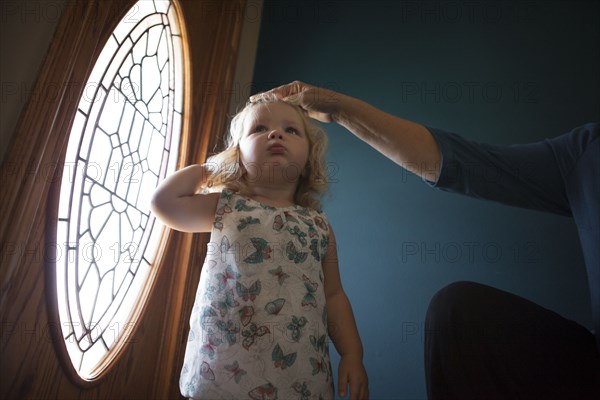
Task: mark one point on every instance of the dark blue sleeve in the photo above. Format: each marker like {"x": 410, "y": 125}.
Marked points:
{"x": 524, "y": 175}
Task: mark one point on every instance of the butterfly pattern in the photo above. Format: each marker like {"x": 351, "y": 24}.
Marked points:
{"x": 278, "y": 223}
{"x": 252, "y": 333}
{"x": 248, "y": 293}
{"x": 275, "y": 306}
{"x": 295, "y": 327}
{"x": 281, "y": 276}
{"x": 294, "y": 254}
{"x": 246, "y": 314}
{"x": 300, "y": 235}
{"x": 259, "y": 326}
{"x": 236, "y": 371}
{"x": 211, "y": 344}
{"x": 206, "y": 372}
{"x": 262, "y": 253}
{"x": 225, "y": 245}
{"x": 226, "y": 276}
{"x": 225, "y": 303}
{"x": 280, "y": 360}
{"x": 229, "y": 330}
{"x": 319, "y": 366}
{"x": 244, "y": 222}
{"x": 314, "y": 249}
{"x": 241, "y": 205}
{"x": 311, "y": 287}
{"x": 302, "y": 390}
{"x": 320, "y": 343}
{"x": 264, "y": 392}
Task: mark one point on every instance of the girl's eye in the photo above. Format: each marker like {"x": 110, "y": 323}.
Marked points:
{"x": 291, "y": 130}
{"x": 259, "y": 129}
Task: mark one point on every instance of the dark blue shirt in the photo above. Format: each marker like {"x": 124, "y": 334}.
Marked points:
{"x": 559, "y": 175}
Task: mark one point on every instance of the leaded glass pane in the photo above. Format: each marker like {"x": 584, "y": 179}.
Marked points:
{"x": 123, "y": 141}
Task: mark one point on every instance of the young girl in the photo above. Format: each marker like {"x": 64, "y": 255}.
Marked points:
{"x": 270, "y": 290}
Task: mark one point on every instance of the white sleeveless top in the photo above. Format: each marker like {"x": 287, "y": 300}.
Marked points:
{"x": 258, "y": 329}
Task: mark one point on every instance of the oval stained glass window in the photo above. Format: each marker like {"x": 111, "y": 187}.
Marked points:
{"x": 124, "y": 140}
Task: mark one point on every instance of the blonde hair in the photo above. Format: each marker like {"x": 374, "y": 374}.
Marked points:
{"x": 228, "y": 173}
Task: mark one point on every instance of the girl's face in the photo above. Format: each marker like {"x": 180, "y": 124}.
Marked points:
{"x": 274, "y": 142}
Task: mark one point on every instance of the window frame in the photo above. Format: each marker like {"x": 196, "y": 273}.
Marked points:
{"x": 118, "y": 11}
{"x": 123, "y": 331}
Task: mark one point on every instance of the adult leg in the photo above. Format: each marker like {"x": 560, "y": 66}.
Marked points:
{"x": 484, "y": 343}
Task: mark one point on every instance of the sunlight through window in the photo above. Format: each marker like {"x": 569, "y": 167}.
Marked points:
{"x": 124, "y": 140}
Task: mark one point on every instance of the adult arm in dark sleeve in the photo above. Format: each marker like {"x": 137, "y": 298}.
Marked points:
{"x": 524, "y": 175}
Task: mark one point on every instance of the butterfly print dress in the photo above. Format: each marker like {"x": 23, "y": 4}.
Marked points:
{"x": 258, "y": 329}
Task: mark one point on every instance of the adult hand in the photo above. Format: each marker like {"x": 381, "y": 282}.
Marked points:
{"x": 320, "y": 104}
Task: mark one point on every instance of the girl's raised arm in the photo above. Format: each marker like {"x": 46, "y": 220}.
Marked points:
{"x": 178, "y": 204}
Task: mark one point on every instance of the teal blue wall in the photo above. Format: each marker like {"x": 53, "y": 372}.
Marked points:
{"x": 499, "y": 72}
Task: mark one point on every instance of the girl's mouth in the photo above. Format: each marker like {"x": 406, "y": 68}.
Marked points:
{"x": 277, "y": 149}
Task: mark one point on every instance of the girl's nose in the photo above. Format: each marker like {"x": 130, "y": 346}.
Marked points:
{"x": 275, "y": 134}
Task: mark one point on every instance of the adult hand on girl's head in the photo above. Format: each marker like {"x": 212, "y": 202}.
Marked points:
{"x": 318, "y": 103}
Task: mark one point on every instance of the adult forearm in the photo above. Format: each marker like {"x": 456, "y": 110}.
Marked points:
{"x": 407, "y": 143}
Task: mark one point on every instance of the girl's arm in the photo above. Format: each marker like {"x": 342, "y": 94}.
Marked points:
{"x": 342, "y": 329}
{"x": 406, "y": 143}
{"x": 178, "y": 204}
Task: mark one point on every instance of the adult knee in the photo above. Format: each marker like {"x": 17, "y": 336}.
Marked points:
{"x": 455, "y": 300}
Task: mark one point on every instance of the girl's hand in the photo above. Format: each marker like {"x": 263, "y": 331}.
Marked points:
{"x": 318, "y": 103}
{"x": 351, "y": 371}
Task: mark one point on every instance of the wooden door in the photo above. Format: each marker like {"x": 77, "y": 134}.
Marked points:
{"x": 148, "y": 365}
